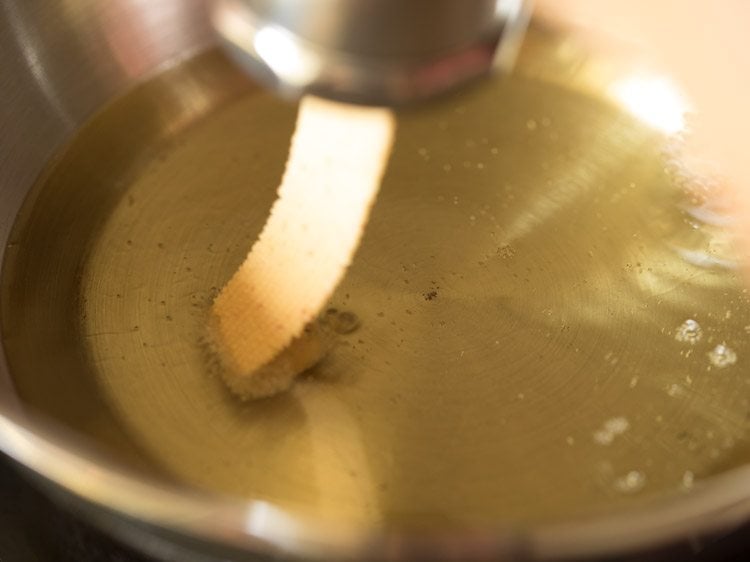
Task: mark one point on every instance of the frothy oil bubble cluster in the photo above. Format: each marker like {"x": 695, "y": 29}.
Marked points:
{"x": 630, "y": 483}
{"x": 722, "y": 356}
{"x": 610, "y": 430}
{"x": 689, "y": 332}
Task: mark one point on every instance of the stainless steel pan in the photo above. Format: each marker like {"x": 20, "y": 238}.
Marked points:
{"x": 524, "y": 382}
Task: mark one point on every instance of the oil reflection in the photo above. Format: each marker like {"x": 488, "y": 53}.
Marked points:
{"x": 655, "y": 100}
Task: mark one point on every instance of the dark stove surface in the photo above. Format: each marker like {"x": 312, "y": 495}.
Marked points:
{"x": 33, "y": 529}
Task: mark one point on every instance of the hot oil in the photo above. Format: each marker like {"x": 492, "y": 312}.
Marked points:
{"x": 540, "y": 308}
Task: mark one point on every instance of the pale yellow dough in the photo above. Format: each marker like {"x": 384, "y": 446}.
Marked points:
{"x": 262, "y": 324}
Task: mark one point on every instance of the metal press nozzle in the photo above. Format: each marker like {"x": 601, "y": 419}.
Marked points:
{"x": 381, "y": 52}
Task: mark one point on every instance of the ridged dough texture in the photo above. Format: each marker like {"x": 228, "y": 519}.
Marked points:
{"x": 262, "y": 325}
